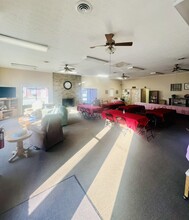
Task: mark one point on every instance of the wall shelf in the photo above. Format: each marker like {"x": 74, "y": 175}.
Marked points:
{"x": 179, "y": 101}
{"x": 8, "y": 108}
{"x": 154, "y": 97}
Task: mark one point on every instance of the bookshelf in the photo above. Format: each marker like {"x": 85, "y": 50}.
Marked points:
{"x": 8, "y": 108}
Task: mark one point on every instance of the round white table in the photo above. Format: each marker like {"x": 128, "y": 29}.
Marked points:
{"x": 20, "y": 150}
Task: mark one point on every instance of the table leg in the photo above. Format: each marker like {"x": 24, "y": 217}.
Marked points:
{"x": 186, "y": 189}
{"x": 20, "y": 151}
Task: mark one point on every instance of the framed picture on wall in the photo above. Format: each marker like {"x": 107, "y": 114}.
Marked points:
{"x": 176, "y": 87}
{"x": 186, "y": 86}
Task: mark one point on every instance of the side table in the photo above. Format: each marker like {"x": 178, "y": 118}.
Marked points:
{"x": 20, "y": 151}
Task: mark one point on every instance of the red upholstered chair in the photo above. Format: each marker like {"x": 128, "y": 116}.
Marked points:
{"x": 109, "y": 119}
{"x": 122, "y": 123}
{"x": 147, "y": 130}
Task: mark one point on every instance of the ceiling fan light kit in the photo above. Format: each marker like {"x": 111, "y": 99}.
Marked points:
{"x": 111, "y": 49}
{"x": 23, "y": 43}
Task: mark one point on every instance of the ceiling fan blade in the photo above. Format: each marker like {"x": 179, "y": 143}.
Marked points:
{"x": 97, "y": 46}
{"x": 109, "y": 38}
{"x": 183, "y": 69}
{"x": 124, "y": 44}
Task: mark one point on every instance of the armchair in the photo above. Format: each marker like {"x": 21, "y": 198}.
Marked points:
{"x": 47, "y": 133}
{"x": 62, "y": 110}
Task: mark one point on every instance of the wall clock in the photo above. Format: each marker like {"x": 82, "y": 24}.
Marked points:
{"x": 67, "y": 85}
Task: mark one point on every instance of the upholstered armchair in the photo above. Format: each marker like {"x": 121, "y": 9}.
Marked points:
{"x": 47, "y": 133}
{"x": 62, "y": 110}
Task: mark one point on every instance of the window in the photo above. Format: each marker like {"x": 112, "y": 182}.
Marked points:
{"x": 89, "y": 95}
{"x": 31, "y": 95}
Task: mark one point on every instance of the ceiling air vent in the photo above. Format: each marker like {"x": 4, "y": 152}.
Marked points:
{"x": 83, "y": 7}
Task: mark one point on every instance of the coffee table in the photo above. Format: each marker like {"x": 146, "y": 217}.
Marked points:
{"x": 20, "y": 150}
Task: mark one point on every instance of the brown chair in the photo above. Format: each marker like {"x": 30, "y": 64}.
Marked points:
{"x": 47, "y": 133}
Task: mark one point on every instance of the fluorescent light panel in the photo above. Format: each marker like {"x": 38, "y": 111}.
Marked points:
{"x": 96, "y": 59}
{"x": 103, "y": 75}
{"x": 26, "y": 66}
{"x": 23, "y": 43}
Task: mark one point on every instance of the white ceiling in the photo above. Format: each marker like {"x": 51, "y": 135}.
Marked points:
{"x": 159, "y": 34}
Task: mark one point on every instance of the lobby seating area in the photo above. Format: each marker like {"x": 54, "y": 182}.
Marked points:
{"x": 46, "y": 133}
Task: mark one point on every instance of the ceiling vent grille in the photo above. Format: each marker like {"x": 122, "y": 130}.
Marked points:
{"x": 83, "y": 7}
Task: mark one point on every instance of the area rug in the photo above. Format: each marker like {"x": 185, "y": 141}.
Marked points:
{"x": 65, "y": 200}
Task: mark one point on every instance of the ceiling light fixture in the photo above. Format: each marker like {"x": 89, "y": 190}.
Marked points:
{"x": 96, "y": 59}
{"x": 25, "y": 66}
{"x": 130, "y": 67}
{"x": 102, "y": 75}
{"x": 23, "y": 43}
{"x": 111, "y": 49}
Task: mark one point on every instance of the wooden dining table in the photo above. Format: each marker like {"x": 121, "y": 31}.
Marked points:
{"x": 132, "y": 120}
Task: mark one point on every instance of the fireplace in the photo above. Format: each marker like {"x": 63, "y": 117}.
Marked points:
{"x": 68, "y": 102}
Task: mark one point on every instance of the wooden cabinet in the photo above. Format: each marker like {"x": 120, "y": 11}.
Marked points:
{"x": 154, "y": 97}
{"x": 145, "y": 95}
{"x": 8, "y": 108}
{"x": 179, "y": 101}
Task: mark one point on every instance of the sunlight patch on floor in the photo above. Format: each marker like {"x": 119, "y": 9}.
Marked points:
{"x": 61, "y": 173}
{"x": 103, "y": 190}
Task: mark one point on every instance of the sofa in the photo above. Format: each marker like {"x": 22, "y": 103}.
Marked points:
{"x": 46, "y": 133}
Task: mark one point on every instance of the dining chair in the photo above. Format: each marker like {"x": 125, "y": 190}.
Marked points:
{"x": 146, "y": 130}
{"x": 122, "y": 123}
{"x": 109, "y": 119}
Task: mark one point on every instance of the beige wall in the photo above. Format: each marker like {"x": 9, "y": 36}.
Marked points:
{"x": 102, "y": 84}
{"x": 20, "y": 78}
{"x": 161, "y": 83}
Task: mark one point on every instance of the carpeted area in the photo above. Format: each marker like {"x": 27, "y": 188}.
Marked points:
{"x": 66, "y": 200}
{"x": 124, "y": 176}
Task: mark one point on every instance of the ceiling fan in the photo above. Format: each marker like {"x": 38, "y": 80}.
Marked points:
{"x": 124, "y": 76}
{"x": 110, "y": 43}
{"x": 68, "y": 69}
{"x": 178, "y": 68}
